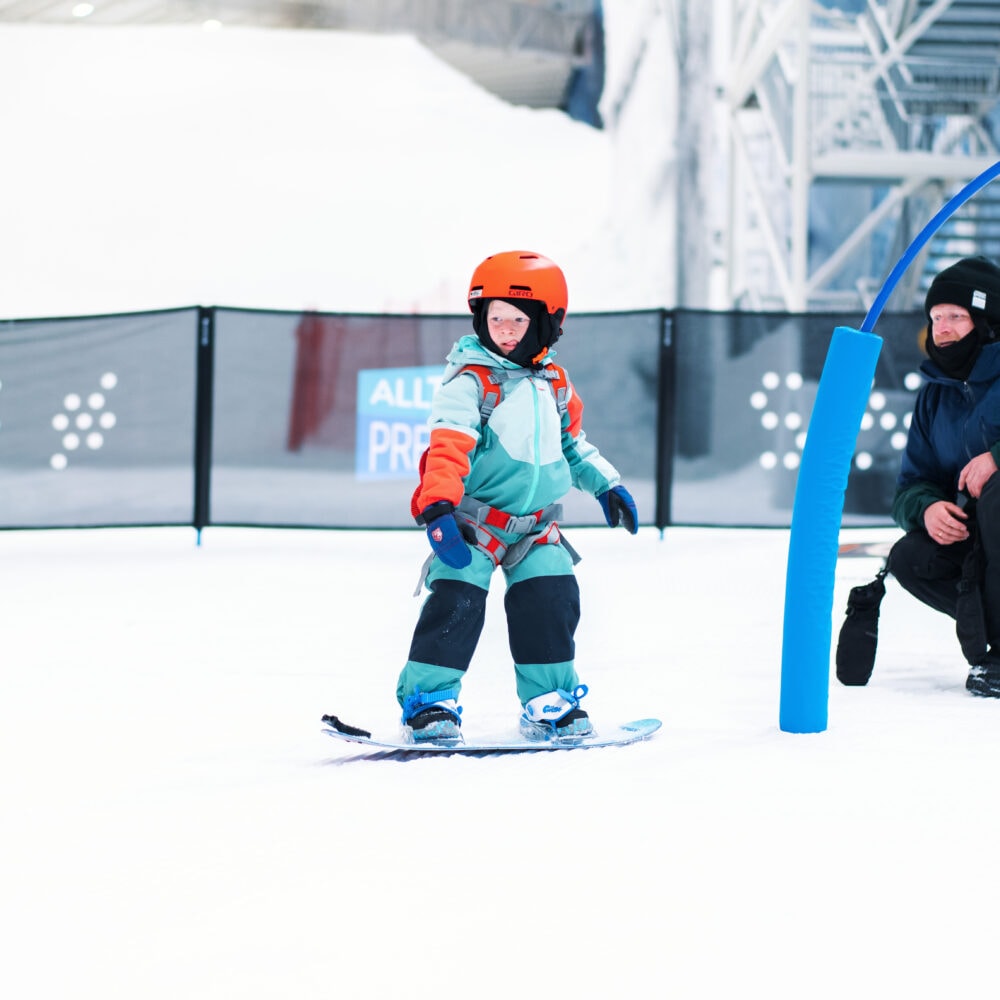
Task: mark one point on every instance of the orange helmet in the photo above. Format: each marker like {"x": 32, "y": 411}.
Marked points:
{"x": 519, "y": 274}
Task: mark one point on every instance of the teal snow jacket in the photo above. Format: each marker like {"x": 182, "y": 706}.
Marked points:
{"x": 525, "y": 456}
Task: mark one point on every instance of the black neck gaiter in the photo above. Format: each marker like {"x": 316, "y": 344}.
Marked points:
{"x": 956, "y": 360}
{"x": 531, "y": 344}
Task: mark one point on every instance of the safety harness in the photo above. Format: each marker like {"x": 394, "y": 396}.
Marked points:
{"x": 474, "y": 517}
{"x": 493, "y": 382}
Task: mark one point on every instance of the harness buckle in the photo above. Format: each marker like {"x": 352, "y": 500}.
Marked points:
{"x": 523, "y": 524}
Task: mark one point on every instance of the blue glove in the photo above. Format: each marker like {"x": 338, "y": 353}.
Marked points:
{"x": 619, "y": 508}
{"x": 445, "y": 536}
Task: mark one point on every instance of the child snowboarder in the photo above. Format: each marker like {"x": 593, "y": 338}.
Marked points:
{"x": 506, "y": 442}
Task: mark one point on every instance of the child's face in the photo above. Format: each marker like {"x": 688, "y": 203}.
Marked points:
{"x": 507, "y": 325}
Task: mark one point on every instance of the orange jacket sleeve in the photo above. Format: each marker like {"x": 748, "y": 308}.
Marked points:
{"x": 445, "y": 464}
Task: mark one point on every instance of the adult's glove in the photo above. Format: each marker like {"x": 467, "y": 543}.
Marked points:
{"x": 619, "y": 508}
{"x": 858, "y": 639}
{"x": 445, "y": 535}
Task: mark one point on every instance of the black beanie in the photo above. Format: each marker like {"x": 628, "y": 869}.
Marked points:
{"x": 973, "y": 283}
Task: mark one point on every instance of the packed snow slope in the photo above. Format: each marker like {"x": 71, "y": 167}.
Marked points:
{"x": 161, "y": 167}
{"x": 177, "y": 825}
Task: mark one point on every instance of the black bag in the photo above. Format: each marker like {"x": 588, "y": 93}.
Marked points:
{"x": 970, "y": 619}
{"x": 859, "y": 633}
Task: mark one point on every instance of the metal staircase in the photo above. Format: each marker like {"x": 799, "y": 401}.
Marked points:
{"x": 848, "y": 133}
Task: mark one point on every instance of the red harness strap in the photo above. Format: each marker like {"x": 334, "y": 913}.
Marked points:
{"x": 537, "y": 528}
{"x": 493, "y": 380}
{"x": 474, "y": 516}
{"x": 510, "y": 522}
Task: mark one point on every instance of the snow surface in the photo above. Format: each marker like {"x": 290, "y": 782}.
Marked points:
{"x": 177, "y": 825}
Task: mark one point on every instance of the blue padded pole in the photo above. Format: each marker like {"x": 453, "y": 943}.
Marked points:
{"x": 840, "y": 404}
{"x": 841, "y": 398}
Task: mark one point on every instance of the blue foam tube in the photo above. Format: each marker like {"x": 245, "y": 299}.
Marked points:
{"x": 946, "y": 212}
{"x": 819, "y": 496}
{"x": 840, "y": 404}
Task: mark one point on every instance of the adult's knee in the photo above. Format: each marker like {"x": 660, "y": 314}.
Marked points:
{"x": 928, "y": 571}
{"x": 913, "y": 557}
{"x": 988, "y": 505}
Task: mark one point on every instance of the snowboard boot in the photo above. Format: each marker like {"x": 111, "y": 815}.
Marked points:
{"x": 556, "y": 716}
{"x": 984, "y": 679}
{"x": 433, "y": 715}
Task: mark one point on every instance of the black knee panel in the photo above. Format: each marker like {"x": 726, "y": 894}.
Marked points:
{"x": 542, "y": 615}
{"x": 450, "y": 624}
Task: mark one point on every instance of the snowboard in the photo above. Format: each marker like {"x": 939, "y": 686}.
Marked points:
{"x": 613, "y": 736}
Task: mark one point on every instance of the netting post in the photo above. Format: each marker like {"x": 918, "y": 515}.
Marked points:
{"x": 205, "y": 378}
{"x": 665, "y": 428}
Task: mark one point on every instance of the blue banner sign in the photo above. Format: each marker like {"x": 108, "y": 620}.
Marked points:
{"x": 393, "y": 404}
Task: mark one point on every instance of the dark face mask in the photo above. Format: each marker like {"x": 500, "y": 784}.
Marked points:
{"x": 958, "y": 359}
{"x": 529, "y": 348}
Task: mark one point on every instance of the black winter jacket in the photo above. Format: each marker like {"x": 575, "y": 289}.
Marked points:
{"x": 952, "y": 423}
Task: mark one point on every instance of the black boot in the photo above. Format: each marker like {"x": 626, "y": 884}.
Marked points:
{"x": 984, "y": 678}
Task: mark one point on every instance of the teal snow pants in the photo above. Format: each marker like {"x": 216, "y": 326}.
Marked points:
{"x": 542, "y": 603}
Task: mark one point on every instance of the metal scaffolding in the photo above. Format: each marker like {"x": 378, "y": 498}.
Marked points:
{"x": 845, "y": 134}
